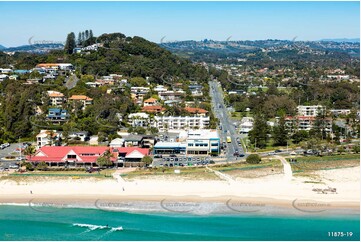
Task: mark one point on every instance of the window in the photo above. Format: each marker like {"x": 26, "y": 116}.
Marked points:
{"x": 71, "y": 156}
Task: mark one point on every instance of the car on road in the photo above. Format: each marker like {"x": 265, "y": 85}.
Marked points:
{"x": 293, "y": 153}
{"x": 158, "y": 156}
{"x": 278, "y": 151}
{"x": 20, "y": 158}
{"x": 271, "y": 153}
{"x": 172, "y": 155}
{"x": 241, "y": 155}
{"x": 13, "y": 166}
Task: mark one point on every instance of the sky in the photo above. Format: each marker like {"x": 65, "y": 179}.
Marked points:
{"x": 176, "y": 21}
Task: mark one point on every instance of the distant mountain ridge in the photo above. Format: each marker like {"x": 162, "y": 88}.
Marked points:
{"x": 35, "y": 48}
{"x": 355, "y": 40}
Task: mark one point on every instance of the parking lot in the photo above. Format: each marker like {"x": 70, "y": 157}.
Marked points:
{"x": 6, "y": 152}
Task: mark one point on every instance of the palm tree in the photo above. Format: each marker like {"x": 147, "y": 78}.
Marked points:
{"x": 30, "y": 150}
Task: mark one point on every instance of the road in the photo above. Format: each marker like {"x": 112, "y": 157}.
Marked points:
{"x": 228, "y": 128}
{"x": 71, "y": 81}
{"x": 7, "y": 151}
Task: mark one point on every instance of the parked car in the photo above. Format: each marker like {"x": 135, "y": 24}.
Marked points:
{"x": 2, "y": 146}
{"x": 172, "y": 155}
{"x": 158, "y": 156}
{"x": 7, "y": 145}
{"x": 13, "y": 166}
{"x": 293, "y": 153}
{"x": 93, "y": 169}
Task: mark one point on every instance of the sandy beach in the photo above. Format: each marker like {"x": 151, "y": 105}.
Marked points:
{"x": 274, "y": 190}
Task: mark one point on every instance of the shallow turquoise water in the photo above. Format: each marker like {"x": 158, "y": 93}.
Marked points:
{"x": 25, "y": 223}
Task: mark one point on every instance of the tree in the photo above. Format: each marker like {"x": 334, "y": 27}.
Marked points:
{"x": 42, "y": 166}
{"x": 70, "y": 43}
{"x": 280, "y": 133}
{"x": 86, "y": 34}
{"x": 147, "y": 160}
{"x": 300, "y": 136}
{"x": 341, "y": 150}
{"x": 91, "y": 34}
{"x": 105, "y": 159}
{"x": 356, "y": 148}
{"x": 258, "y": 135}
{"x": 253, "y": 159}
{"x": 30, "y": 150}
{"x": 79, "y": 39}
{"x": 27, "y": 165}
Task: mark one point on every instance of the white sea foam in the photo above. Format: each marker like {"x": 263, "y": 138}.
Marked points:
{"x": 117, "y": 229}
{"x": 91, "y": 226}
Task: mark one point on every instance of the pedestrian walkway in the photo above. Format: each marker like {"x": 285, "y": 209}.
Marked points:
{"x": 223, "y": 176}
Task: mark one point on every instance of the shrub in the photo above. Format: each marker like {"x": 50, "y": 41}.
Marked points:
{"x": 253, "y": 159}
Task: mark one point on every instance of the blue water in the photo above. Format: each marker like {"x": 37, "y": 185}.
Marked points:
{"x": 25, "y": 223}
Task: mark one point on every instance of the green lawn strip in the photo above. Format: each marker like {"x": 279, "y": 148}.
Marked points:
{"x": 314, "y": 163}
{"x": 245, "y": 166}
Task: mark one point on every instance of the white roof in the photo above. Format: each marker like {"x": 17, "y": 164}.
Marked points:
{"x": 135, "y": 154}
{"x": 203, "y": 134}
{"x": 116, "y": 141}
{"x": 139, "y": 115}
{"x": 169, "y": 144}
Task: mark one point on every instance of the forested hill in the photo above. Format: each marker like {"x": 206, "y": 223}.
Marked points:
{"x": 130, "y": 56}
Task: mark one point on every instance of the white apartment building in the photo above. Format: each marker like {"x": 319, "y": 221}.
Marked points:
{"x": 160, "y": 88}
{"x": 203, "y": 142}
{"x": 138, "y": 119}
{"x": 310, "y": 111}
{"x": 163, "y": 123}
{"x": 340, "y": 111}
{"x": 306, "y": 123}
{"x": 46, "y": 137}
{"x": 56, "y": 98}
{"x": 246, "y": 125}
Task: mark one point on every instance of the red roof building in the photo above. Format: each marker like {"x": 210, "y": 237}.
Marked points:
{"x": 85, "y": 155}
{"x": 153, "y": 109}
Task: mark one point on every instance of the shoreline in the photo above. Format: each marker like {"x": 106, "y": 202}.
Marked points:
{"x": 247, "y": 195}
{"x": 186, "y": 204}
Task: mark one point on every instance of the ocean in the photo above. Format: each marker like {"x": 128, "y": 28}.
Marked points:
{"x": 27, "y": 223}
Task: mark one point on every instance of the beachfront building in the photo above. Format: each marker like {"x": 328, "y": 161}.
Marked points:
{"x": 164, "y": 123}
{"x": 161, "y": 148}
{"x": 310, "y": 111}
{"x": 86, "y": 156}
{"x": 56, "y": 98}
{"x": 203, "y": 142}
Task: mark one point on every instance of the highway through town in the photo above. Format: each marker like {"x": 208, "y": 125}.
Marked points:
{"x": 228, "y": 128}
